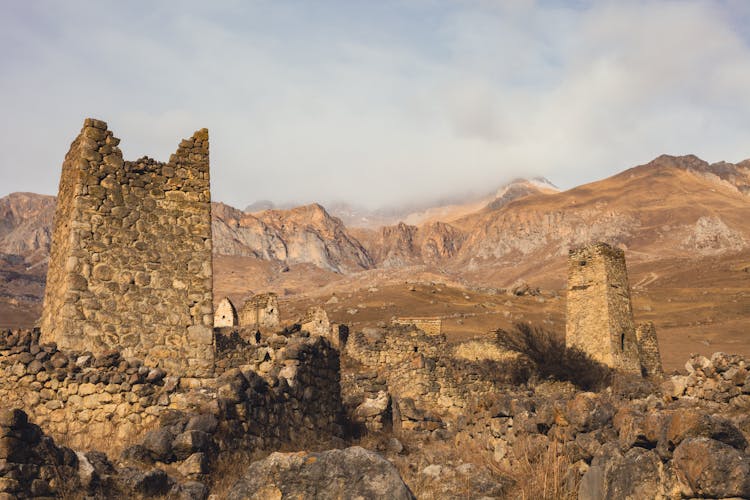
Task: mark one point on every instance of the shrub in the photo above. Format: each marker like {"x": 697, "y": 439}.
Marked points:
{"x": 553, "y": 359}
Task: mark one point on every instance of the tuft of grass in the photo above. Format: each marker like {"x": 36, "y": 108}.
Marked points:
{"x": 545, "y": 476}
{"x": 553, "y": 359}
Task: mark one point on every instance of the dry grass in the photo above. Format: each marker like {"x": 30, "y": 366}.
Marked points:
{"x": 541, "y": 476}
{"x": 553, "y": 359}
{"x": 230, "y": 467}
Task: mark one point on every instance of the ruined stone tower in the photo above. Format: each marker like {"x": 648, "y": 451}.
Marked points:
{"x": 260, "y": 312}
{"x": 648, "y": 349}
{"x": 599, "y": 313}
{"x": 316, "y": 322}
{"x": 130, "y": 265}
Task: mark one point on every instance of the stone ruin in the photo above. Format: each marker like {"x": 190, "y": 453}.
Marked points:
{"x": 648, "y": 350}
{"x": 127, "y": 328}
{"x": 226, "y": 314}
{"x": 260, "y": 312}
{"x": 599, "y": 314}
{"x": 130, "y": 264}
{"x": 430, "y": 325}
{"x": 316, "y": 322}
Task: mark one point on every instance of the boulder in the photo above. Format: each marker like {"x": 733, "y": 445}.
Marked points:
{"x": 373, "y": 406}
{"x": 159, "y": 443}
{"x": 349, "y": 473}
{"x": 712, "y": 469}
{"x": 189, "y": 442}
{"x": 637, "y": 474}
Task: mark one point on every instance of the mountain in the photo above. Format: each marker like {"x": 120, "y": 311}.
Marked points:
{"x": 434, "y": 237}
{"x": 307, "y": 234}
{"x": 26, "y": 225}
{"x": 673, "y": 206}
{"x": 444, "y": 209}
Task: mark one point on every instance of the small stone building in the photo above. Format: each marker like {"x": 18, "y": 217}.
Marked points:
{"x": 316, "y": 322}
{"x": 599, "y": 312}
{"x": 648, "y": 348}
{"x": 260, "y": 312}
{"x": 225, "y": 315}
{"x": 430, "y": 325}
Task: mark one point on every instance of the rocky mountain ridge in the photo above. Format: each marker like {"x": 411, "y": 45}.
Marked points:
{"x": 671, "y": 206}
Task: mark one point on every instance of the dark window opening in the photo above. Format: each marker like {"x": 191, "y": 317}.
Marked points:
{"x": 582, "y": 263}
{"x": 416, "y": 349}
{"x": 622, "y": 341}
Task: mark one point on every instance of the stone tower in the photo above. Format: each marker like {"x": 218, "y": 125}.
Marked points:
{"x": 599, "y": 313}
{"x": 130, "y": 265}
{"x": 648, "y": 349}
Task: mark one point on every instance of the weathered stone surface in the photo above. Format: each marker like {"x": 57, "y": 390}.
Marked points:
{"x": 159, "y": 443}
{"x": 126, "y": 244}
{"x": 637, "y": 474}
{"x": 599, "y": 313}
{"x": 349, "y": 473}
{"x": 189, "y": 442}
{"x": 713, "y": 469}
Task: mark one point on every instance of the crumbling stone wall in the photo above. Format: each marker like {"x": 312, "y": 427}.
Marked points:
{"x": 130, "y": 264}
{"x": 433, "y": 326}
{"x": 316, "y": 322}
{"x": 260, "y": 312}
{"x": 271, "y": 393}
{"x": 418, "y": 370}
{"x": 31, "y": 465}
{"x": 225, "y": 315}
{"x": 599, "y": 312}
{"x": 648, "y": 350}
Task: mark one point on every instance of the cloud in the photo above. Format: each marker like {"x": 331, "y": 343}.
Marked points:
{"x": 377, "y": 102}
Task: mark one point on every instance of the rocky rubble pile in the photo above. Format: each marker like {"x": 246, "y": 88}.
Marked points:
{"x": 724, "y": 378}
{"x": 684, "y": 444}
{"x": 30, "y": 463}
{"x": 33, "y": 466}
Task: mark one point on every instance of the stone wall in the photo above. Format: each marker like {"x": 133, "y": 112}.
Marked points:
{"x": 316, "y": 322}
{"x": 226, "y": 314}
{"x": 260, "y": 312}
{"x": 648, "y": 350}
{"x": 267, "y": 394}
{"x": 130, "y": 263}
{"x": 433, "y": 326}
{"x": 599, "y": 312}
{"x": 422, "y": 375}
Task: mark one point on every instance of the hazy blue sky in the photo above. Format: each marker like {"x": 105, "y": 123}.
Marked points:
{"x": 377, "y": 101}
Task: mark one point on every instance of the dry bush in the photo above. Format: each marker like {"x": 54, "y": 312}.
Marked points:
{"x": 553, "y": 359}
{"x": 541, "y": 476}
{"x": 229, "y": 468}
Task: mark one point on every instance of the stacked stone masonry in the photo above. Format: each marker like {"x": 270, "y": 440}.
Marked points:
{"x": 316, "y": 322}
{"x": 226, "y": 314}
{"x": 260, "y": 312}
{"x": 428, "y": 384}
{"x": 648, "y": 350}
{"x": 599, "y": 313}
{"x": 433, "y": 326}
{"x": 130, "y": 263}
{"x": 281, "y": 390}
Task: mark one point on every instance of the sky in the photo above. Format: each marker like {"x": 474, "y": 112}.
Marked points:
{"x": 376, "y": 103}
